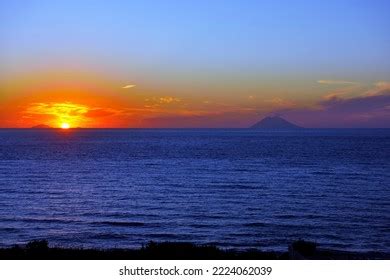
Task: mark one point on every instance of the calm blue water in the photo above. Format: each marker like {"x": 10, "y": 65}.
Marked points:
{"x": 233, "y": 188}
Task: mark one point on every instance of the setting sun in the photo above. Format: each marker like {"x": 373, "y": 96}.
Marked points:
{"x": 65, "y": 126}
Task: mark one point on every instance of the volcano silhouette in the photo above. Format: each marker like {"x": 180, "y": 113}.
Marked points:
{"x": 275, "y": 122}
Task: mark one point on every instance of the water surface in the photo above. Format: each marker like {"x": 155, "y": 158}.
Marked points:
{"x": 234, "y": 188}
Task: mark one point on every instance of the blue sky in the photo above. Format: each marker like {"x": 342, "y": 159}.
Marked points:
{"x": 299, "y": 37}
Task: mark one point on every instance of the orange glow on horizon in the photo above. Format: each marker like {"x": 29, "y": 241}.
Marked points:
{"x": 92, "y": 101}
{"x": 65, "y": 126}
{"x": 63, "y": 115}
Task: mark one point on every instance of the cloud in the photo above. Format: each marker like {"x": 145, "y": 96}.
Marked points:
{"x": 57, "y": 109}
{"x": 350, "y": 88}
{"x": 361, "y": 111}
{"x": 100, "y": 112}
{"x": 169, "y": 99}
{"x": 379, "y": 87}
{"x": 345, "y": 88}
{"x": 342, "y": 92}
{"x": 159, "y": 101}
{"x": 72, "y": 113}
{"x": 128, "y": 86}
{"x": 336, "y": 82}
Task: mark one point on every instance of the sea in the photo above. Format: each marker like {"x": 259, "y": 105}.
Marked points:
{"x": 233, "y": 188}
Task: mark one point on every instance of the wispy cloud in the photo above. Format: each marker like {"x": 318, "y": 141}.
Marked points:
{"x": 57, "y": 109}
{"x": 351, "y": 104}
{"x": 101, "y": 112}
{"x": 336, "y": 82}
{"x": 342, "y": 92}
{"x": 128, "y": 86}
{"x": 163, "y": 100}
{"x": 358, "y": 111}
{"x": 344, "y": 88}
{"x": 169, "y": 99}
{"x": 378, "y": 88}
{"x": 75, "y": 114}
{"x": 350, "y": 89}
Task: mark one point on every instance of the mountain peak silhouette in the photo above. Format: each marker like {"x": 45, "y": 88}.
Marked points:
{"x": 274, "y": 122}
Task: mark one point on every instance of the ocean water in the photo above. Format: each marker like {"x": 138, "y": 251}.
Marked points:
{"x": 234, "y": 188}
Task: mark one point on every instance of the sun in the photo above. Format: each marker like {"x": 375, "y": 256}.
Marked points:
{"x": 65, "y": 126}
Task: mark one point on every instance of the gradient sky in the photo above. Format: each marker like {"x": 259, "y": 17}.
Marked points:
{"x": 194, "y": 63}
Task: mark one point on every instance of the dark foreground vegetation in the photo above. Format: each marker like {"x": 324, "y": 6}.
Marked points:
{"x": 40, "y": 250}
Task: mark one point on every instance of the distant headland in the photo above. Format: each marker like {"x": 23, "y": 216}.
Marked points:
{"x": 41, "y": 126}
{"x": 274, "y": 122}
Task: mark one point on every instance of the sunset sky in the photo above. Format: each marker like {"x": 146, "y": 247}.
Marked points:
{"x": 90, "y": 63}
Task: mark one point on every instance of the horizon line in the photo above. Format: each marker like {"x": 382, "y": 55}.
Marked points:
{"x": 123, "y": 128}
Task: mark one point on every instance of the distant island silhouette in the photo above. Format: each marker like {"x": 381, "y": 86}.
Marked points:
{"x": 41, "y": 126}
{"x": 274, "y": 122}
